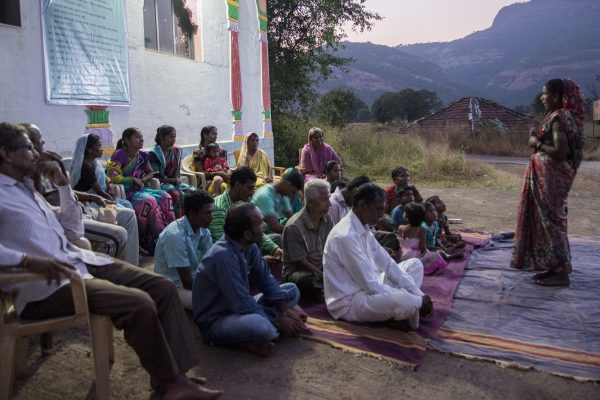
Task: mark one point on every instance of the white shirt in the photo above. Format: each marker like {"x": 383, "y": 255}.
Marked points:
{"x": 354, "y": 261}
{"x": 338, "y": 208}
{"x": 31, "y": 226}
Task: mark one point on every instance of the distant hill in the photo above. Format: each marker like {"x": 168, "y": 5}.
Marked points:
{"x": 527, "y": 44}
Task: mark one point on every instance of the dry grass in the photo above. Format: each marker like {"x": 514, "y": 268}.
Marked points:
{"x": 375, "y": 151}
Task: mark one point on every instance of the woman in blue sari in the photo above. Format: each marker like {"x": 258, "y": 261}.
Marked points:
{"x": 165, "y": 159}
{"x": 86, "y": 174}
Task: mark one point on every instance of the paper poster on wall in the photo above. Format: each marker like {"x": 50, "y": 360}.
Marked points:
{"x": 85, "y": 52}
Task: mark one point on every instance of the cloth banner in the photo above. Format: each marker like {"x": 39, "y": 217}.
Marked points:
{"x": 85, "y": 52}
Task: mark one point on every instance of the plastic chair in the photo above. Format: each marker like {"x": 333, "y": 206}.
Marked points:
{"x": 13, "y": 329}
{"x": 195, "y": 178}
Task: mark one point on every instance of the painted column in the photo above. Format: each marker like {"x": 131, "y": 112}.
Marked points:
{"x": 261, "y": 7}
{"x": 99, "y": 125}
{"x": 236, "y": 74}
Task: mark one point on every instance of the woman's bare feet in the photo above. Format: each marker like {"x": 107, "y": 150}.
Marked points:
{"x": 185, "y": 389}
{"x": 555, "y": 279}
{"x": 542, "y": 275}
{"x": 261, "y": 349}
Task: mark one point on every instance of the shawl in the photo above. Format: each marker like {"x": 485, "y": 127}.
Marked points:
{"x": 571, "y": 116}
{"x": 258, "y": 162}
{"x": 160, "y": 161}
{"x": 77, "y": 163}
{"x": 317, "y": 158}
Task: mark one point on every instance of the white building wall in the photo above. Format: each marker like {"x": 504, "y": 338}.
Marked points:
{"x": 165, "y": 89}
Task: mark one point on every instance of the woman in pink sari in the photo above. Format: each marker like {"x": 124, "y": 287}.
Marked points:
{"x": 541, "y": 242}
{"x": 315, "y": 155}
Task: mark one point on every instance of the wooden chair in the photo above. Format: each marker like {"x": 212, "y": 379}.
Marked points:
{"x": 13, "y": 333}
{"x": 197, "y": 179}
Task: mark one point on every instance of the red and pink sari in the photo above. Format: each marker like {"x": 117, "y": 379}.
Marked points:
{"x": 541, "y": 242}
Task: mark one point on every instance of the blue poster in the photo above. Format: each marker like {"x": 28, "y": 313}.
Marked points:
{"x": 85, "y": 52}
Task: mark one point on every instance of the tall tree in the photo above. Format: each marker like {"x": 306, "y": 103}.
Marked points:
{"x": 407, "y": 104}
{"x": 338, "y": 107}
{"x": 303, "y": 38}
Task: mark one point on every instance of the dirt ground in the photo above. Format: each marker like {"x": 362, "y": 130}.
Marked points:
{"x": 305, "y": 370}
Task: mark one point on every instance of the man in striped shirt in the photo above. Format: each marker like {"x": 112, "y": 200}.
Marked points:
{"x": 242, "y": 183}
{"x": 145, "y": 305}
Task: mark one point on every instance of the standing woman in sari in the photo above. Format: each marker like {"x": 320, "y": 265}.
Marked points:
{"x": 255, "y": 159}
{"x": 315, "y": 155}
{"x": 209, "y": 134}
{"x": 541, "y": 242}
{"x": 165, "y": 159}
{"x": 130, "y": 167}
{"x": 86, "y": 174}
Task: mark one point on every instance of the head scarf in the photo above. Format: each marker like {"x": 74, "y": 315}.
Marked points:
{"x": 77, "y": 161}
{"x": 242, "y": 161}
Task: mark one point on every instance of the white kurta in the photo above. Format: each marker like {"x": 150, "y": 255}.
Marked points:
{"x": 363, "y": 283}
{"x": 338, "y": 208}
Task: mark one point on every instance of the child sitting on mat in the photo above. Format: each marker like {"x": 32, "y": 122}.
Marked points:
{"x": 406, "y": 196}
{"x": 413, "y": 240}
{"x": 433, "y": 234}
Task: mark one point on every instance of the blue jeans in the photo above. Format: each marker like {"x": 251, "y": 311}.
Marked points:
{"x": 235, "y": 328}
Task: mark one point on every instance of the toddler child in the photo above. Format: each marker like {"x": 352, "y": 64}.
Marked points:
{"x": 216, "y": 165}
{"x": 449, "y": 240}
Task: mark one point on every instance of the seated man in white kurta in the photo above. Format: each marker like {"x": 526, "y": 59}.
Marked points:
{"x": 362, "y": 282}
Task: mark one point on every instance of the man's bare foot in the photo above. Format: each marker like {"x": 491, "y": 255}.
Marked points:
{"x": 402, "y": 325}
{"x": 427, "y": 307}
{"x": 301, "y": 312}
{"x": 185, "y": 389}
{"x": 261, "y": 349}
{"x": 556, "y": 279}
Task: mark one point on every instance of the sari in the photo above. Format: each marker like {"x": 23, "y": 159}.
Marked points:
{"x": 153, "y": 208}
{"x": 313, "y": 161}
{"x": 257, "y": 162}
{"x": 541, "y": 241}
{"x": 168, "y": 165}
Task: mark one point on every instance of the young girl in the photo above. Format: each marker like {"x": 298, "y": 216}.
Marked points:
{"x": 216, "y": 165}
{"x": 412, "y": 238}
{"x": 451, "y": 242}
{"x": 433, "y": 233}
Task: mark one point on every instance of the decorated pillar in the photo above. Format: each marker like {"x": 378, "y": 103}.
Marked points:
{"x": 261, "y": 7}
{"x": 98, "y": 124}
{"x": 236, "y": 73}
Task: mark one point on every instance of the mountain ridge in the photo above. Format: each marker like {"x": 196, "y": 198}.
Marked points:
{"x": 527, "y": 44}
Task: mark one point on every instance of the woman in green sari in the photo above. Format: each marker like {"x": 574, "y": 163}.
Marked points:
{"x": 165, "y": 159}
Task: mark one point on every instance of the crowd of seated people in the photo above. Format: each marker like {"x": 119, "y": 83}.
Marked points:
{"x": 215, "y": 249}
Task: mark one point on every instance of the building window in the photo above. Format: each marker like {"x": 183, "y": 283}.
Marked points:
{"x": 168, "y": 27}
{"x": 10, "y": 12}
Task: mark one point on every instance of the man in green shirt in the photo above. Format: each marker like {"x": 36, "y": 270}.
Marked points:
{"x": 242, "y": 183}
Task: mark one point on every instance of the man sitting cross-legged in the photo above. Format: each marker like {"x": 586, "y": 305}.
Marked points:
{"x": 241, "y": 187}
{"x": 184, "y": 242}
{"x": 362, "y": 281}
{"x": 304, "y": 239}
{"x": 144, "y": 304}
{"x": 225, "y": 309}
